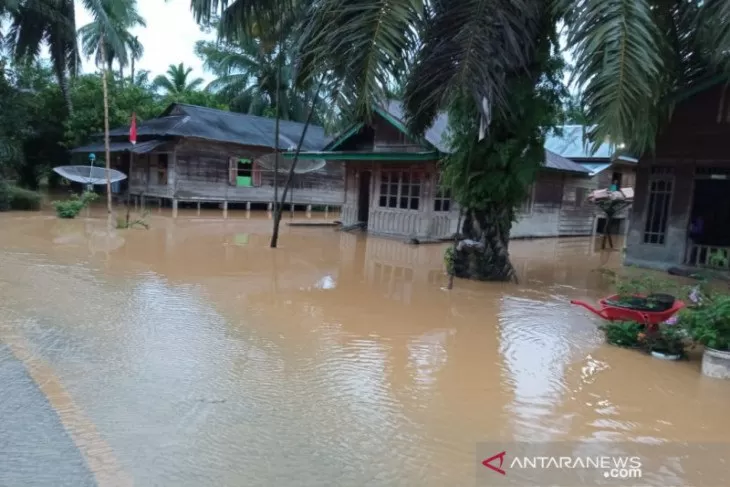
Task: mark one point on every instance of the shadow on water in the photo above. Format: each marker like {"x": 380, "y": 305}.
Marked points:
{"x": 204, "y": 357}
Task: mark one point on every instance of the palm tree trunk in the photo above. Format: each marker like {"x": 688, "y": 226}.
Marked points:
{"x": 290, "y": 176}
{"x": 106, "y": 131}
{"x": 279, "y": 67}
{"x": 131, "y": 69}
{"x": 484, "y": 254}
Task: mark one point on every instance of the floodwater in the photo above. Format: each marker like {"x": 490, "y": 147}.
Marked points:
{"x": 191, "y": 354}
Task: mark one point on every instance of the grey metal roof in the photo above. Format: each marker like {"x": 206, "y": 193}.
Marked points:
{"x": 436, "y": 135}
{"x": 139, "y": 148}
{"x": 182, "y": 120}
{"x": 556, "y": 161}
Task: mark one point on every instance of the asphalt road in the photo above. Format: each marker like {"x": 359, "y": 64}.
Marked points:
{"x": 35, "y": 449}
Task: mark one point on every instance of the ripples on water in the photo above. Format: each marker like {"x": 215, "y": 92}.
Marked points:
{"x": 205, "y": 358}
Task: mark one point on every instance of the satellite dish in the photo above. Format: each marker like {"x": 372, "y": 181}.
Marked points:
{"x": 89, "y": 174}
{"x": 303, "y": 165}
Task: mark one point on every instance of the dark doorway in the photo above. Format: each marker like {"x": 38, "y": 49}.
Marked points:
{"x": 710, "y": 213}
{"x": 363, "y": 202}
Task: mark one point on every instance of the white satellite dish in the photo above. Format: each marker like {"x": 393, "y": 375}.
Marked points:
{"x": 304, "y": 166}
{"x": 89, "y": 174}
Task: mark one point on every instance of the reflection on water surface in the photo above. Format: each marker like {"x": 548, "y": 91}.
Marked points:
{"x": 202, "y": 357}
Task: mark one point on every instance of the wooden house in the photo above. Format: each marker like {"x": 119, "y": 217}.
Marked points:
{"x": 392, "y": 183}
{"x": 682, "y": 197}
{"x": 192, "y": 153}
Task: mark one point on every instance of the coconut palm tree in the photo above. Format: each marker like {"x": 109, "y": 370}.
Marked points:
{"x": 175, "y": 83}
{"x": 246, "y": 75}
{"x": 117, "y": 46}
{"x": 51, "y": 23}
{"x": 104, "y": 38}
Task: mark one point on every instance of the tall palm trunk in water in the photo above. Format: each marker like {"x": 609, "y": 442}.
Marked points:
{"x": 279, "y": 67}
{"x": 106, "y": 130}
{"x": 290, "y": 176}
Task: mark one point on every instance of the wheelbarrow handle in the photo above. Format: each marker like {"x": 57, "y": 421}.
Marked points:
{"x": 601, "y": 312}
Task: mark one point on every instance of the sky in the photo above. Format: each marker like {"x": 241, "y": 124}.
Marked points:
{"x": 169, "y": 37}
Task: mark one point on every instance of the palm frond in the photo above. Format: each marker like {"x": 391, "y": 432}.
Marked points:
{"x": 239, "y": 18}
{"x": 363, "y": 41}
{"x": 495, "y": 38}
{"x": 713, "y": 23}
{"x": 175, "y": 82}
{"x": 618, "y": 60}
{"x": 164, "y": 83}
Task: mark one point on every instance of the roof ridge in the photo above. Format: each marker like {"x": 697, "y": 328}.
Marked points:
{"x": 218, "y": 110}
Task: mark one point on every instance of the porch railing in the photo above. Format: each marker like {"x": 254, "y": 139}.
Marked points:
{"x": 708, "y": 256}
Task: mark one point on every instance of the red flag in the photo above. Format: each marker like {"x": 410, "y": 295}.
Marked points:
{"x": 133, "y": 129}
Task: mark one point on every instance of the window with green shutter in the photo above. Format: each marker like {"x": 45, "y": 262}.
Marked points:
{"x": 244, "y": 173}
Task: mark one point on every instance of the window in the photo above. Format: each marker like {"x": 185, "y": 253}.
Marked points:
{"x": 657, "y": 214}
{"x": 400, "y": 189}
{"x": 442, "y": 199}
{"x": 581, "y": 194}
{"x": 616, "y": 180}
{"x": 161, "y": 168}
{"x": 241, "y": 172}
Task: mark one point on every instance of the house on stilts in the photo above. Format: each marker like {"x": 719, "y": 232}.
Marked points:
{"x": 392, "y": 182}
{"x": 197, "y": 154}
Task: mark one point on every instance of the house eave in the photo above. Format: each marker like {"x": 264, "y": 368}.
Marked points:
{"x": 366, "y": 156}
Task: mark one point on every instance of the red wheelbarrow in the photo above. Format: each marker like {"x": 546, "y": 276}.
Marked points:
{"x": 610, "y": 309}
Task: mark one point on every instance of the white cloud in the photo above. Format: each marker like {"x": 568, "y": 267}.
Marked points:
{"x": 169, "y": 37}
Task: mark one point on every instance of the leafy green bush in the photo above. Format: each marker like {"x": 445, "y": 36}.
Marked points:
{"x": 15, "y": 198}
{"x": 708, "y": 320}
{"x": 70, "y": 208}
{"x": 667, "y": 338}
{"x": 449, "y": 259}
{"x": 24, "y": 199}
{"x": 623, "y": 333}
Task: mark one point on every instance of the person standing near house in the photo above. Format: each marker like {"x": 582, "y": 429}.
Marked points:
{"x": 696, "y": 229}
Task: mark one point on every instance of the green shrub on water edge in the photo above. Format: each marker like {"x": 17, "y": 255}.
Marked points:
{"x": 24, "y": 199}
{"x": 70, "y": 208}
{"x": 15, "y": 198}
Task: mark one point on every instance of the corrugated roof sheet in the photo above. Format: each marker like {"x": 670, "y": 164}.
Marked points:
{"x": 436, "y": 135}
{"x": 572, "y": 144}
{"x": 181, "y": 120}
{"x": 556, "y": 161}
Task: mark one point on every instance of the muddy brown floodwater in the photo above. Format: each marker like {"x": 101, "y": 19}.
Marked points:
{"x": 192, "y": 354}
